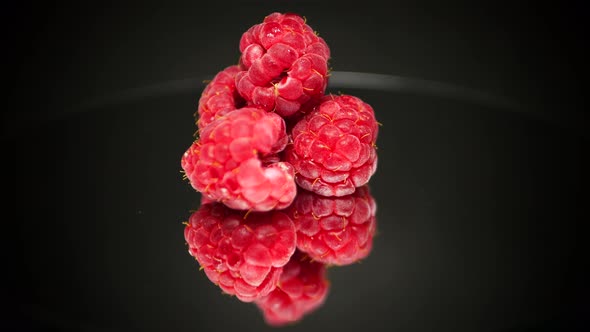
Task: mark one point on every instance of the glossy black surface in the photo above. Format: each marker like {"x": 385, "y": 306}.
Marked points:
{"x": 480, "y": 207}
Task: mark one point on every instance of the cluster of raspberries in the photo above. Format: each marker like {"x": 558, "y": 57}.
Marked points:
{"x": 283, "y": 170}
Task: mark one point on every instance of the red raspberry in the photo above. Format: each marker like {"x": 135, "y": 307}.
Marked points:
{"x": 285, "y": 62}
{"x": 302, "y": 288}
{"x": 242, "y": 254}
{"x": 226, "y": 163}
{"x": 335, "y": 230}
{"x": 219, "y": 97}
{"x": 333, "y": 148}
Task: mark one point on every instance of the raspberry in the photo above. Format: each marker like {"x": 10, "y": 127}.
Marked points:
{"x": 335, "y": 230}
{"x": 302, "y": 288}
{"x": 233, "y": 161}
{"x": 243, "y": 254}
{"x": 285, "y": 62}
{"x": 219, "y": 97}
{"x": 333, "y": 148}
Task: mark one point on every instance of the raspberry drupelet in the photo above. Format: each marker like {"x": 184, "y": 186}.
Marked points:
{"x": 243, "y": 253}
{"x": 234, "y": 161}
{"x": 333, "y": 150}
{"x": 285, "y": 64}
{"x": 302, "y": 288}
{"x": 335, "y": 230}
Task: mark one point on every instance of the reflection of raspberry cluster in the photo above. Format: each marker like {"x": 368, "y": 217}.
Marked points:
{"x": 283, "y": 169}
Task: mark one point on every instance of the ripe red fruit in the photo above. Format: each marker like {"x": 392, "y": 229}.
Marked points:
{"x": 302, "y": 288}
{"x": 233, "y": 161}
{"x": 333, "y": 148}
{"x": 285, "y": 64}
{"x": 219, "y": 97}
{"x": 243, "y": 254}
{"x": 335, "y": 230}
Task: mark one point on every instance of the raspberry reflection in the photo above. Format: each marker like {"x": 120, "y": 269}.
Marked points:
{"x": 243, "y": 253}
{"x": 302, "y": 288}
{"x": 279, "y": 260}
{"x": 335, "y": 230}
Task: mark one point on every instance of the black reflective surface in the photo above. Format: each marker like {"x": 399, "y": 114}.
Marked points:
{"x": 480, "y": 208}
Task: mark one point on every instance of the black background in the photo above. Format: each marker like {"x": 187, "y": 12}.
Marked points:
{"x": 481, "y": 207}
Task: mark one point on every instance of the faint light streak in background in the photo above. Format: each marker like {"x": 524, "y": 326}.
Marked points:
{"x": 338, "y": 80}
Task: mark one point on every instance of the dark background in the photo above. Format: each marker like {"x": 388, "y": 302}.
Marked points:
{"x": 481, "y": 206}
